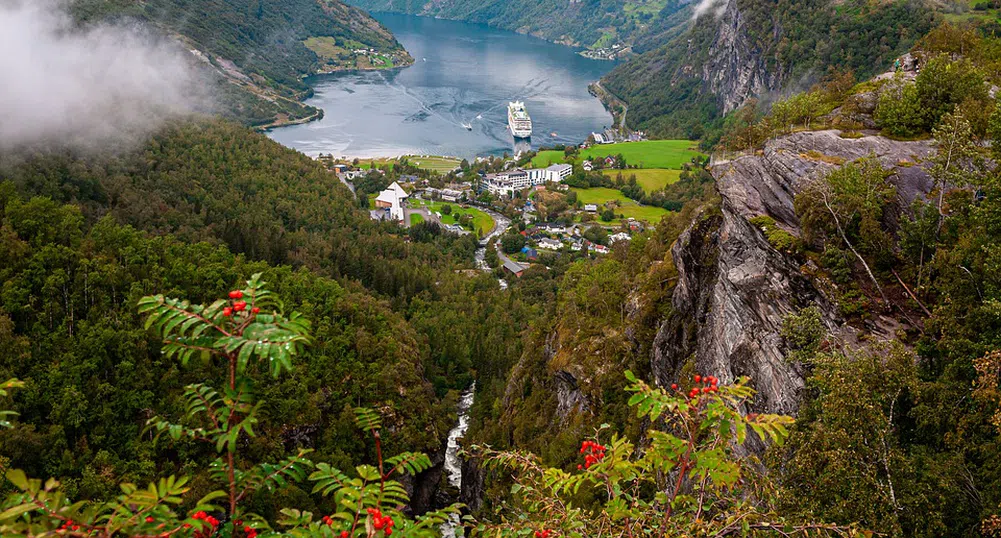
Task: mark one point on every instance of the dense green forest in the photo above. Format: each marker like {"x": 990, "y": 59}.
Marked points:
{"x": 792, "y": 43}
{"x": 265, "y": 40}
{"x": 200, "y": 207}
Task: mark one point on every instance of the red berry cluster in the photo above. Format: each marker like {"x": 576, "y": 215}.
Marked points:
{"x": 69, "y": 525}
{"x": 594, "y": 451}
{"x": 202, "y": 516}
{"x": 239, "y": 305}
{"x": 709, "y": 385}
{"x": 329, "y": 521}
{"x": 544, "y": 533}
{"x": 384, "y": 524}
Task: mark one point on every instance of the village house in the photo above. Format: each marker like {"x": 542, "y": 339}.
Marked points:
{"x": 511, "y": 181}
{"x": 514, "y": 268}
{"x": 621, "y": 236}
{"x": 588, "y": 166}
{"x": 394, "y": 200}
{"x": 451, "y": 195}
{"x": 552, "y": 228}
{"x": 550, "y": 244}
{"x": 591, "y": 208}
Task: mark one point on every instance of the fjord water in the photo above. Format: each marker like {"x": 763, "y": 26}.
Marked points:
{"x": 463, "y": 74}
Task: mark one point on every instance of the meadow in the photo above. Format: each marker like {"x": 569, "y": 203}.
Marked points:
{"x": 659, "y": 154}
{"x": 482, "y": 222}
{"x": 648, "y": 154}
{"x": 651, "y": 179}
{"x": 442, "y": 165}
{"x": 627, "y": 208}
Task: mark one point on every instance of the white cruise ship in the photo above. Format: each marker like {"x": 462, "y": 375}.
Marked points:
{"x": 518, "y": 120}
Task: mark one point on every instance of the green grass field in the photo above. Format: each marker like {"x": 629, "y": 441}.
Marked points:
{"x": 481, "y": 221}
{"x": 628, "y": 208}
{"x": 659, "y": 154}
{"x": 648, "y": 154}
{"x": 442, "y": 165}
{"x": 416, "y": 219}
{"x": 651, "y": 179}
{"x": 546, "y": 158}
{"x": 365, "y": 164}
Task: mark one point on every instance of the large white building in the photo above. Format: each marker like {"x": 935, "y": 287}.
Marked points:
{"x": 393, "y": 199}
{"x": 511, "y": 181}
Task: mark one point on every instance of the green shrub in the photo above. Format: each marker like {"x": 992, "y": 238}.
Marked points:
{"x": 780, "y": 239}
{"x": 803, "y": 331}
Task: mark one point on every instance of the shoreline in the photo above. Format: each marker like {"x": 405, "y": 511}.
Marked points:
{"x": 320, "y": 113}
{"x": 615, "y": 106}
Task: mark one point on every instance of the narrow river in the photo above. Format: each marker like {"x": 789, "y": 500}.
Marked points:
{"x": 453, "y": 464}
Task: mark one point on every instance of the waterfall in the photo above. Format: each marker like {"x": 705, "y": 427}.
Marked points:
{"x": 453, "y": 465}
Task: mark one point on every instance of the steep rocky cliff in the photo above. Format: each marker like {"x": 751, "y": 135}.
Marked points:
{"x": 735, "y": 289}
{"x": 735, "y": 68}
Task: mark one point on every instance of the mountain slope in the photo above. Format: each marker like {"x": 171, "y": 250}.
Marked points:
{"x": 583, "y": 23}
{"x": 748, "y": 48}
{"x": 260, "y": 47}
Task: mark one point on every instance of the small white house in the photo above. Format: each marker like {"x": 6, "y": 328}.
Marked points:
{"x": 550, "y": 244}
{"x": 621, "y": 236}
{"x": 591, "y": 208}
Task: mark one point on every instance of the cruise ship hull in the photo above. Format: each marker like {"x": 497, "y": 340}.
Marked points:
{"x": 518, "y": 120}
{"x": 521, "y": 135}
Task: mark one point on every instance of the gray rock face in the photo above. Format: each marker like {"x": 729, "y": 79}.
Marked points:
{"x": 735, "y": 69}
{"x": 735, "y": 289}
{"x": 569, "y": 398}
{"x": 767, "y": 184}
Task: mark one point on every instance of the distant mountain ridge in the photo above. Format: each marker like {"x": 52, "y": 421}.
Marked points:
{"x": 261, "y": 47}
{"x": 582, "y": 23}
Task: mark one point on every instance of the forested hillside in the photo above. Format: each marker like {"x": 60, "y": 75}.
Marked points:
{"x": 198, "y": 208}
{"x": 585, "y": 23}
{"x": 258, "y": 47}
{"x": 760, "y": 48}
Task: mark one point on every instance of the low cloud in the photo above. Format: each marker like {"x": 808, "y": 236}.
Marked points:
{"x": 86, "y": 89}
{"x": 704, "y": 6}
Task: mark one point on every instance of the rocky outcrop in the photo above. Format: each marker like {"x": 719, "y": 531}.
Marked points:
{"x": 473, "y": 488}
{"x": 423, "y": 488}
{"x": 735, "y": 289}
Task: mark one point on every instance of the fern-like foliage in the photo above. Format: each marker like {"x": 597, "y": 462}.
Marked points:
{"x": 275, "y": 475}
{"x": 5, "y": 389}
{"x": 685, "y": 479}
{"x": 256, "y": 334}
{"x": 368, "y": 420}
{"x": 408, "y": 462}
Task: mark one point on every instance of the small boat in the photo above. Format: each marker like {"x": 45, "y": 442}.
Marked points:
{"x": 553, "y": 134}
{"x": 468, "y": 126}
{"x": 425, "y": 59}
{"x": 479, "y": 116}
